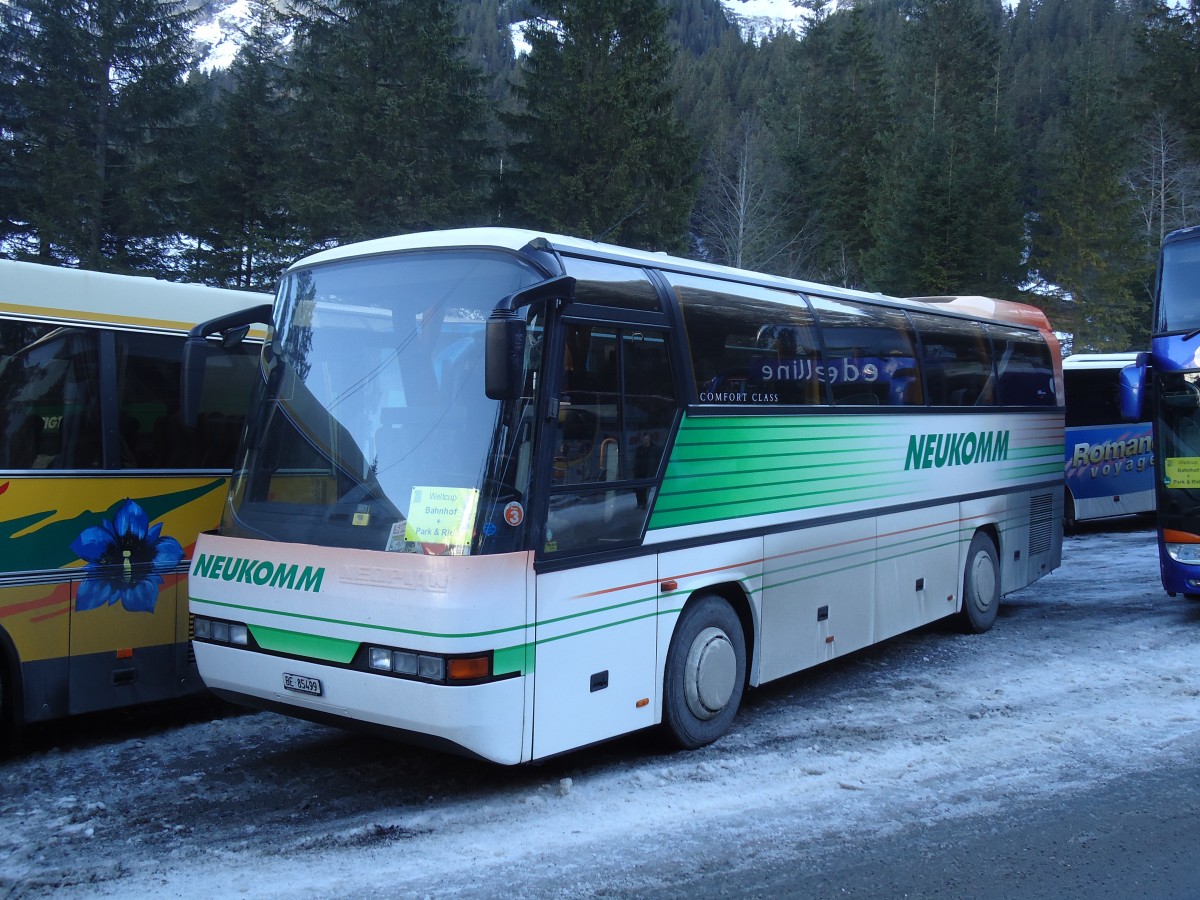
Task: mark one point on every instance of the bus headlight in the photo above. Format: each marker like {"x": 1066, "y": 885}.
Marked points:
{"x": 205, "y": 629}
{"x": 1189, "y": 554}
{"x": 430, "y": 666}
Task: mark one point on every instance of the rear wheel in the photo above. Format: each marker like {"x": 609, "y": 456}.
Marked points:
{"x": 981, "y": 586}
{"x": 705, "y": 673}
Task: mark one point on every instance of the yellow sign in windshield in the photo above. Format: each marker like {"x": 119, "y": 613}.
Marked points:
{"x": 1182, "y": 472}
{"x": 441, "y": 515}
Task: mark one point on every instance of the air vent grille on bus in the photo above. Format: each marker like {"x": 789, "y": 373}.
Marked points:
{"x": 191, "y": 651}
{"x": 1041, "y": 524}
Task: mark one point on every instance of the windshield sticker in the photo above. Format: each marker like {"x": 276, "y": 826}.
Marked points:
{"x": 362, "y": 515}
{"x": 1182, "y": 472}
{"x": 514, "y": 513}
{"x": 395, "y": 541}
{"x": 441, "y": 515}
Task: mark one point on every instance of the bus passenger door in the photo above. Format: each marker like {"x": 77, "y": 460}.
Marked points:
{"x": 609, "y": 421}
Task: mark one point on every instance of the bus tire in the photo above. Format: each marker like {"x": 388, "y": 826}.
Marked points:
{"x": 705, "y": 672}
{"x": 981, "y": 586}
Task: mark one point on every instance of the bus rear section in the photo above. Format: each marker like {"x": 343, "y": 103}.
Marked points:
{"x": 1109, "y": 462}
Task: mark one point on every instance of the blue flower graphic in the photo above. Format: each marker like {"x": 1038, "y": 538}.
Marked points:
{"x": 124, "y": 559}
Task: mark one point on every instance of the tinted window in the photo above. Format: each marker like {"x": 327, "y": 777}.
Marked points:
{"x": 958, "y": 361}
{"x": 749, "y": 344}
{"x": 1093, "y": 397}
{"x": 148, "y": 385}
{"x": 616, "y": 405}
{"x": 607, "y": 284}
{"x": 869, "y": 354}
{"x": 49, "y": 397}
{"x": 1023, "y": 368}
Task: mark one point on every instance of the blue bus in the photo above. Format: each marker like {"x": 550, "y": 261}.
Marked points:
{"x": 1109, "y": 462}
{"x": 1166, "y": 381}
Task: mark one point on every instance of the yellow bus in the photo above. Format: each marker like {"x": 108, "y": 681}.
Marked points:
{"x": 102, "y": 491}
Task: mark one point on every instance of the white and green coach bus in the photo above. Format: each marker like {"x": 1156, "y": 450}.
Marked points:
{"x": 510, "y": 494}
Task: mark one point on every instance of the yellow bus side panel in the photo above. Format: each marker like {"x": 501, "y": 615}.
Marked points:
{"x": 41, "y": 522}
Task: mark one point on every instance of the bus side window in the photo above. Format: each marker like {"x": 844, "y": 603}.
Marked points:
{"x": 152, "y": 435}
{"x": 958, "y": 361}
{"x": 749, "y": 345}
{"x": 870, "y": 354}
{"x": 1025, "y": 373}
{"x": 616, "y": 408}
{"x": 49, "y": 397}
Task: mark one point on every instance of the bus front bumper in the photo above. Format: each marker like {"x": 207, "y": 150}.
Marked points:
{"x": 482, "y": 720}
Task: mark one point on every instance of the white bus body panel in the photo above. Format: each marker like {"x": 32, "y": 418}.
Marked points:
{"x": 818, "y": 585}
{"x": 434, "y": 604}
{"x": 595, "y": 673}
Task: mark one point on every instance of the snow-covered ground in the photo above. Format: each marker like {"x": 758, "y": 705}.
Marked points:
{"x": 1091, "y": 673}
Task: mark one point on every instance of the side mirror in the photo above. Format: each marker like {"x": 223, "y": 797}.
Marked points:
{"x": 1133, "y": 390}
{"x": 233, "y": 328}
{"x": 504, "y": 360}
{"x": 504, "y": 349}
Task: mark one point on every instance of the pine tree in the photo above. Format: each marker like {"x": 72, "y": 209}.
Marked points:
{"x": 1087, "y": 246}
{"x": 598, "y": 150}
{"x": 388, "y": 119}
{"x": 946, "y": 218}
{"x": 844, "y": 108}
{"x": 240, "y": 209}
{"x": 93, "y": 98}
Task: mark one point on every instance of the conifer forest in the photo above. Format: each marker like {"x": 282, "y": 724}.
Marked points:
{"x": 1034, "y": 150}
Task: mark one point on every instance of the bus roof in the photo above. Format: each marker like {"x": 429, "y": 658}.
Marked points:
{"x": 1099, "y": 360}
{"x": 50, "y": 292}
{"x": 515, "y": 239}
{"x": 1182, "y": 234}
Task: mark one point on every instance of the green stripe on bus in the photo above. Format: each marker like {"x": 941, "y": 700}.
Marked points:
{"x": 518, "y": 659}
{"x": 297, "y": 643}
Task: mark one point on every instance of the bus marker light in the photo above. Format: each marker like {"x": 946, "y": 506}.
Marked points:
{"x": 829, "y": 640}
{"x": 669, "y": 585}
{"x": 468, "y": 669}
{"x": 645, "y": 701}
{"x": 125, "y": 653}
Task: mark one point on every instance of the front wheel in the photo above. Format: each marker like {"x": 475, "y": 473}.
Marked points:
{"x": 981, "y": 586}
{"x": 705, "y": 673}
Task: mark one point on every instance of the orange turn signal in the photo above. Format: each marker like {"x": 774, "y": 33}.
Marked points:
{"x": 468, "y": 668}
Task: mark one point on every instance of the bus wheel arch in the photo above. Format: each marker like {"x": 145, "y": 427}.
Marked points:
{"x": 705, "y": 673}
{"x": 1069, "y": 521}
{"x": 981, "y": 583}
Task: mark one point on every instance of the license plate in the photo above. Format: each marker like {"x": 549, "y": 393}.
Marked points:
{"x": 302, "y": 684}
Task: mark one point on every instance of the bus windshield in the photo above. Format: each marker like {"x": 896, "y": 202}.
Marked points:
{"x": 372, "y": 428}
{"x": 1179, "y": 290}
